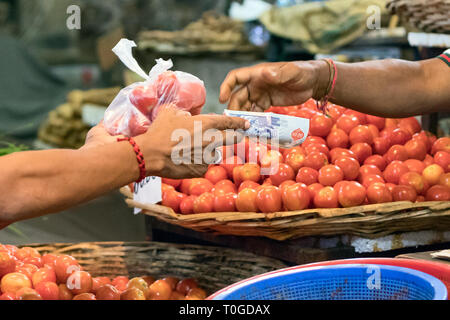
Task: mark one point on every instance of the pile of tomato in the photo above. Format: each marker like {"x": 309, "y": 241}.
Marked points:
{"x": 25, "y": 274}
{"x": 348, "y": 159}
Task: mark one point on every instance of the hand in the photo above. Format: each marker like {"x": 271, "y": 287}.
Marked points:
{"x": 98, "y": 136}
{"x": 274, "y": 84}
{"x": 162, "y": 144}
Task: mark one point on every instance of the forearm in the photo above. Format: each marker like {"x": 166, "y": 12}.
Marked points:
{"x": 393, "y": 88}
{"x": 40, "y": 182}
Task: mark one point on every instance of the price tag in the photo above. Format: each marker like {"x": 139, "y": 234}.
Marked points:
{"x": 148, "y": 191}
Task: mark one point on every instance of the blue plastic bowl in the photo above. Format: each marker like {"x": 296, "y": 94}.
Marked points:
{"x": 338, "y": 282}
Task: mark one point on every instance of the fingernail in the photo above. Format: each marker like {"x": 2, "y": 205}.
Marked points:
{"x": 247, "y": 125}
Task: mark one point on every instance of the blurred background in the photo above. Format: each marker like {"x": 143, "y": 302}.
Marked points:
{"x": 58, "y": 73}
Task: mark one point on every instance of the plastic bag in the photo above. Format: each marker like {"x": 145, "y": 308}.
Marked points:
{"x": 136, "y": 106}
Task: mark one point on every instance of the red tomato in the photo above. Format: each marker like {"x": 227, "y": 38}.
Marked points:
{"x": 120, "y": 283}
{"x": 173, "y": 199}
{"x": 216, "y": 173}
{"x": 64, "y": 293}
{"x": 341, "y": 152}
{"x": 381, "y": 145}
{"x": 79, "y": 282}
{"x": 432, "y": 173}
{"x": 378, "y": 193}
{"x": 316, "y": 160}
{"x": 400, "y": 136}
{"x": 27, "y": 269}
{"x": 99, "y": 282}
{"x": 414, "y": 180}
{"x": 167, "y": 86}
{"x": 43, "y": 275}
{"x": 347, "y": 123}
{"x": 7, "y": 263}
{"x": 204, "y": 203}
{"x": 256, "y": 151}
{"x": 361, "y": 134}
{"x": 172, "y": 182}
{"x": 187, "y": 205}
{"x": 362, "y": 151}
{"x": 326, "y": 198}
{"x": 396, "y": 152}
{"x": 313, "y": 140}
{"x": 404, "y": 193}
{"x": 441, "y": 144}
{"x": 47, "y": 290}
{"x": 49, "y": 259}
{"x": 7, "y": 296}
{"x": 13, "y": 282}
{"x": 351, "y": 194}
{"x": 361, "y": 116}
{"x": 84, "y": 296}
{"x": 442, "y": 158}
{"x": 350, "y": 167}
{"x": 248, "y": 184}
{"x": 373, "y": 130}
{"x": 166, "y": 188}
{"x": 185, "y": 285}
{"x": 377, "y": 161}
{"x": 429, "y": 160}
{"x": 370, "y": 179}
{"x": 438, "y": 193}
{"x": 444, "y": 180}
{"x": 295, "y": 160}
{"x": 296, "y": 197}
{"x": 337, "y": 138}
{"x": 369, "y": 169}
{"x": 271, "y": 160}
{"x": 199, "y": 186}
{"x": 307, "y": 176}
{"x": 65, "y": 265}
{"x": 320, "y": 125}
{"x": 416, "y": 149}
{"x": 390, "y": 186}
{"x": 391, "y": 123}
{"x": 317, "y": 148}
{"x": 225, "y": 202}
{"x": 284, "y": 172}
{"x": 107, "y": 292}
{"x": 246, "y": 200}
{"x": 27, "y": 252}
{"x": 334, "y": 113}
{"x": 414, "y": 165}
{"x": 268, "y": 199}
{"x": 223, "y": 187}
{"x": 330, "y": 174}
{"x": 394, "y": 171}
{"x": 410, "y": 124}
{"x": 376, "y": 121}
{"x": 230, "y": 163}
{"x": 144, "y": 98}
{"x": 424, "y": 137}
{"x": 28, "y": 294}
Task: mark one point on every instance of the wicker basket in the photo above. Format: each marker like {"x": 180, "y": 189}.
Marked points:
{"x": 213, "y": 267}
{"x": 369, "y": 221}
{"x": 425, "y": 15}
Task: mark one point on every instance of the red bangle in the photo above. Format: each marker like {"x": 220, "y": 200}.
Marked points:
{"x": 139, "y": 157}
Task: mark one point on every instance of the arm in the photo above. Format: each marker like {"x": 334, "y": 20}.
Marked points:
{"x": 35, "y": 183}
{"x": 389, "y": 88}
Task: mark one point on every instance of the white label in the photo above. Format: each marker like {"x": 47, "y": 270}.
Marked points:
{"x": 148, "y": 191}
{"x": 92, "y": 114}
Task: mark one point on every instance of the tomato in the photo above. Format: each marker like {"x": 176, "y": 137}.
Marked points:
{"x": 144, "y": 98}
{"x": 204, "y": 203}
{"x": 444, "y": 180}
{"x": 381, "y": 145}
{"x": 98, "y": 282}
{"x": 249, "y": 171}
{"x": 441, "y": 144}
{"x": 400, "y": 136}
{"x": 374, "y": 131}
{"x": 338, "y": 138}
{"x": 312, "y": 140}
{"x": 394, "y": 171}
{"x": 216, "y": 174}
{"x": 43, "y": 275}
{"x": 377, "y": 161}
{"x": 438, "y": 193}
{"x": 138, "y": 283}
{"x": 362, "y": 151}
{"x": 64, "y": 293}
{"x": 27, "y": 269}
{"x": 28, "y": 294}
{"x": 107, "y": 292}
{"x": 347, "y": 123}
{"x": 416, "y": 149}
{"x": 414, "y": 180}
{"x": 350, "y": 167}
{"x": 296, "y": 197}
{"x": 429, "y": 160}
{"x": 230, "y": 163}
{"x": 196, "y": 294}
{"x": 378, "y": 193}
{"x": 361, "y": 134}
{"x": 361, "y": 116}
{"x": 270, "y": 161}
{"x": 7, "y": 263}
{"x": 223, "y": 187}
{"x": 397, "y": 152}
{"x": 341, "y": 152}
{"x": 84, "y": 296}
{"x": 410, "y": 124}
{"x": 313, "y": 190}
{"x": 173, "y": 199}
{"x": 330, "y": 174}
{"x": 442, "y": 158}
{"x": 199, "y": 186}
{"x": 120, "y": 283}
{"x": 369, "y": 169}
{"x": 317, "y": 148}
{"x": 47, "y": 290}
{"x": 307, "y": 176}
{"x": 49, "y": 259}
{"x": 7, "y": 296}
{"x": 13, "y": 282}
{"x": 326, "y": 198}
{"x": 376, "y": 121}
{"x": 432, "y": 173}
{"x": 187, "y": 205}
{"x": 79, "y": 282}
{"x": 404, "y": 193}
{"x": 185, "y": 285}
{"x": 225, "y": 202}
{"x": 423, "y": 136}
{"x": 320, "y": 125}
{"x": 256, "y": 151}
{"x": 65, "y": 265}
{"x": 27, "y": 252}
{"x": 284, "y": 173}
{"x": 390, "y": 186}
{"x": 316, "y": 160}
{"x": 172, "y": 182}
{"x": 414, "y": 165}
{"x": 370, "y": 179}
{"x": 268, "y": 199}
{"x": 351, "y": 194}
{"x": 248, "y": 184}
{"x": 246, "y": 200}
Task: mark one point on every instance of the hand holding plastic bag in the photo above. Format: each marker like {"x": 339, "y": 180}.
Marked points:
{"x": 136, "y": 106}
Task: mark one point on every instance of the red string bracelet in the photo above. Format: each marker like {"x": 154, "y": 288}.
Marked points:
{"x": 324, "y": 101}
{"x": 139, "y": 157}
